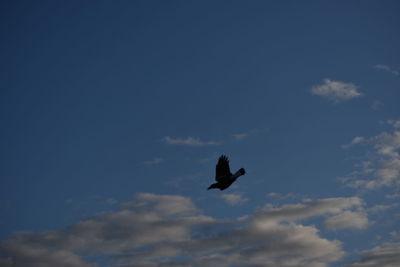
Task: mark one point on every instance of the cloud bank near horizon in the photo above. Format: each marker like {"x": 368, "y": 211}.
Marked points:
{"x": 169, "y": 230}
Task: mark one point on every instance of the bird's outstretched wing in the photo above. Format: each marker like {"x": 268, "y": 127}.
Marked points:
{"x": 222, "y": 170}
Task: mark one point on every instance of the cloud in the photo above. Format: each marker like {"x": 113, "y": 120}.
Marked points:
{"x": 234, "y": 199}
{"x": 336, "y": 91}
{"x": 167, "y": 230}
{"x": 388, "y": 69}
{"x": 111, "y": 201}
{"x": 327, "y": 206}
{"x": 189, "y": 141}
{"x": 394, "y": 123}
{"x": 240, "y": 136}
{"x": 393, "y": 196}
{"x": 154, "y": 161}
{"x": 356, "y": 140}
{"x": 279, "y": 197}
{"x": 247, "y": 134}
{"x": 380, "y": 208}
{"x": 146, "y": 220}
{"x": 386, "y": 255}
{"x": 376, "y": 104}
{"x": 384, "y": 169}
{"x": 347, "y": 219}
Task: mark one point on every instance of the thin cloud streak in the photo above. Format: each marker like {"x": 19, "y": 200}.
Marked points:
{"x": 189, "y": 141}
{"x": 154, "y": 161}
{"x": 240, "y": 136}
{"x": 388, "y": 69}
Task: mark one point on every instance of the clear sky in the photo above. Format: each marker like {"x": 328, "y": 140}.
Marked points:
{"x": 114, "y": 113}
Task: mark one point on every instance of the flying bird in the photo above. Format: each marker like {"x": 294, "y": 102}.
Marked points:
{"x": 223, "y": 174}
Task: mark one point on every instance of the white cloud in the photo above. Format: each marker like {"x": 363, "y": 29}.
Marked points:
{"x": 336, "y": 91}
{"x": 189, "y": 141}
{"x": 166, "y": 230}
{"x": 234, "y": 199}
{"x": 388, "y": 69}
{"x": 386, "y": 255}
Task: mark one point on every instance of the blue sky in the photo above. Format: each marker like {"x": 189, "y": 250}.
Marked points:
{"x": 114, "y": 113}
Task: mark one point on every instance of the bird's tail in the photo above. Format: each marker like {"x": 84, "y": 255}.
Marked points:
{"x": 212, "y": 186}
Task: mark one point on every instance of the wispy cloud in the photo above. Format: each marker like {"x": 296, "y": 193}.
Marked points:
{"x": 384, "y": 167}
{"x": 336, "y": 91}
{"x": 279, "y": 196}
{"x": 168, "y": 230}
{"x": 189, "y": 141}
{"x": 234, "y": 199}
{"x": 244, "y": 135}
{"x": 240, "y": 136}
{"x": 394, "y": 123}
{"x": 376, "y": 104}
{"x": 111, "y": 201}
{"x": 380, "y": 208}
{"x": 388, "y": 69}
{"x": 356, "y": 140}
{"x": 393, "y": 196}
{"x": 153, "y": 161}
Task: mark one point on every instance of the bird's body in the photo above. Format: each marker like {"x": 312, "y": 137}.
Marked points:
{"x": 223, "y": 175}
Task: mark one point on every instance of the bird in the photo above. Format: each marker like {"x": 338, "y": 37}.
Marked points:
{"x": 223, "y": 174}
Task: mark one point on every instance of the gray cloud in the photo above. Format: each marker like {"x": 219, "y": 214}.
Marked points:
{"x": 297, "y": 212}
{"x": 347, "y": 219}
{"x": 386, "y": 255}
{"x": 165, "y": 230}
{"x": 336, "y": 91}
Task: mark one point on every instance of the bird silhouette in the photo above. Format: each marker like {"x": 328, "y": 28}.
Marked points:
{"x": 223, "y": 174}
